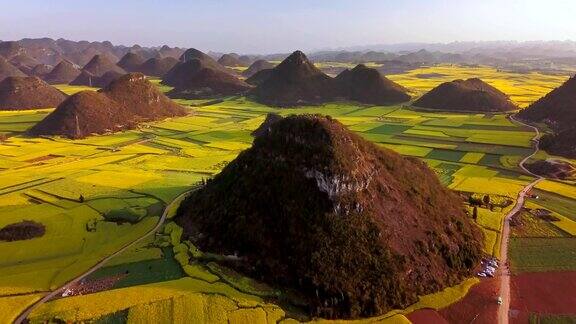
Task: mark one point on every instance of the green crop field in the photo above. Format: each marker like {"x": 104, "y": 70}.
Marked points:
{"x": 542, "y": 254}
{"x": 94, "y": 195}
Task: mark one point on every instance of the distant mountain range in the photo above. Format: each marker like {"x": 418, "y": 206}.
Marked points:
{"x": 547, "y": 56}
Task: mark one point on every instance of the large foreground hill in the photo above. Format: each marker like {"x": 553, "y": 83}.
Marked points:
{"x": 356, "y": 229}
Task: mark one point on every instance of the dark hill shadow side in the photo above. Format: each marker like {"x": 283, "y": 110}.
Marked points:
{"x": 266, "y": 126}
{"x": 158, "y": 67}
{"x": 256, "y": 67}
{"x": 9, "y": 70}
{"x": 357, "y": 230}
{"x": 121, "y": 105}
{"x": 558, "y": 110}
{"x": 131, "y": 62}
{"x": 259, "y": 77}
{"x": 18, "y": 93}
{"x": 466, "y": 95}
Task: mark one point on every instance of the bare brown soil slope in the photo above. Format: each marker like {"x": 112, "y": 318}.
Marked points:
{"x": 10, "y": 49}
{"x": 24, "y": 62}
{"x": 466, "y": 95}
{"x": 131, "y": 62}
{"x": 367, "y": 85}
{"x": 63, "y": 73}
{"x": 354, "y": 228}
{"x": 101, "y": 64}
{"x": 558, "y": 110}
{"x": 9, "y": 70}
{"x": 87, "y": 79}
{"x": 41, "y": 70}
{"x": 158, "y": 67}
{"x": 28, "y": 93}
{"x": 121, "y": 105}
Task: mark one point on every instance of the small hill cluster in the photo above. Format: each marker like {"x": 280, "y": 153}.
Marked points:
{"x": 51, "y": 52}
{"x": 154, "y": 66}
{"x": 558, "y": 110}
{"x": 88, "y": 79}
{"x": 9, "y": 70}
{"x": 28, "y": 93}
{"x": 200, "y": 76}
{"x": 296, "y": 81}
{"x": 123, "y": 104}
{"x": 466, "y": 95}
{"x": 234, "y": 60}
{"x": 357, "y": 230}
{"x": 99, "y": 72}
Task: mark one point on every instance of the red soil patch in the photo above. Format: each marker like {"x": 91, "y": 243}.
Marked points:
{"x": 93, "y": 286}
{"x": 426, "y": 316}
{"x": 542, "y": 292}
{"x": 479, "y": 305}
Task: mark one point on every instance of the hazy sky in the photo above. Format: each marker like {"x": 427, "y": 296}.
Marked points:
{"x": 268, "y": 26}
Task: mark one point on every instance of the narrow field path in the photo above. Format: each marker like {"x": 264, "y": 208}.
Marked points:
{"x": 24, "y": 315}
{"x": 504, "y": 310}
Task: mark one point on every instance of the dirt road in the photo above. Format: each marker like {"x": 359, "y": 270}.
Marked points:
{"x": 24, "y": 315}
{"x": 504, "y": 309}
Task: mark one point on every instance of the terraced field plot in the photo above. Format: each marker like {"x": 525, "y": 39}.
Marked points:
{"x": 95, "y": 195}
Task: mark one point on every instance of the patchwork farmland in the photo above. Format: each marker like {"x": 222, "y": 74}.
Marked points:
{"x": 97, "y": 194}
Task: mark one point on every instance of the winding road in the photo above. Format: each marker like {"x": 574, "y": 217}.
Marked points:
{"x": 57, "y": 292}
{"x": 504, "y": 309}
